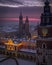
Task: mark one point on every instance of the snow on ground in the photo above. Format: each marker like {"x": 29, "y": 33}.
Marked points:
{"x": 20, "y": 61}
{"x": 8, "y": 62}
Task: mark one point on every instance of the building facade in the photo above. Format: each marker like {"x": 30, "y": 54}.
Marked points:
{"x": 44, "y": 41}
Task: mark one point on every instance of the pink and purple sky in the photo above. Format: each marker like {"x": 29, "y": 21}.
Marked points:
{"x": 10, "y": 9}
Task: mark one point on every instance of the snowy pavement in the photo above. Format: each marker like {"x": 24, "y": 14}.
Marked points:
{"x": 20, "y": 61}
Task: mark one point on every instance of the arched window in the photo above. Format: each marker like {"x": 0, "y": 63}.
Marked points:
{"x": 43, "y": 45}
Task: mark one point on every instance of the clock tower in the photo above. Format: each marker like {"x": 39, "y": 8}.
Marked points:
{"x": 44, "y": 41}
{"x": 46, "y": 21}
{"x": 46, "y": 16}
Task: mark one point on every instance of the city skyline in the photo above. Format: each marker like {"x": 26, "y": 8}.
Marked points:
{"x": 25, "y": 41}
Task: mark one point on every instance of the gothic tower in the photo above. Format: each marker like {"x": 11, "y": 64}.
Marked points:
{"x": 44, "y": 41}
{"x": 27, "y": 25}
{"x": 20, "y": 25}
{"x": 46, "y": 16}
{"x": 46, "y": 20}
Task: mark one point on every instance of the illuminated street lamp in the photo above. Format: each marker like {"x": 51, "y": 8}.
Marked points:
{"x": 44, "y": 32}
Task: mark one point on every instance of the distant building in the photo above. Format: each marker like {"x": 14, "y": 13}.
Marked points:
{"x": 44, "y": 42}
{"x": 27, "y": 25}
{"x": 23, "y": 27}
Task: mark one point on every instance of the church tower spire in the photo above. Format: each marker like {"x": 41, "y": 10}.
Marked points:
{"x": 20, "y": 17}
{"x": 46, "y": 7}
{"x": 20, "y": 25}
{"x": 44, "y": 41}
{"x": 27, "y": 25}
{"x": 46, "y": 16}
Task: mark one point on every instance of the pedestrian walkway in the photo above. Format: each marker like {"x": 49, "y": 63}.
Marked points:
{"x": 11, "y": 61}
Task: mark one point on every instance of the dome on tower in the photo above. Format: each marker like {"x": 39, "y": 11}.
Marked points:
{"x": 46, "y": 2}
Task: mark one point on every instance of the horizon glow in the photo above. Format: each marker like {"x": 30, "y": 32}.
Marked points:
{"x": 17, "y": 19}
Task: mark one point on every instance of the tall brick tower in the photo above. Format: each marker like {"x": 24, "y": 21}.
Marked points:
{"x": 44, "y": 41}
{"x": 20, "y": 25}
{"x": 46, "y": 16}
{"x": 27, "y": 25}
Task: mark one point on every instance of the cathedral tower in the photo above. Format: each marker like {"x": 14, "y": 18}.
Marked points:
{"x": 20, "y": 25}
{"x": 46, "y": 16}
{"x": 27, "y": 25}
{"x": 44, "y": 41}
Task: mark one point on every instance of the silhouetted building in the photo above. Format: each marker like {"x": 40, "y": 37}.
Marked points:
{"x": 23, "y": 27}
{"x": 46, "y": 21}
{"x": 44, "y": 41}
{"x": 46, "y": 16}
{"x": 27, "y": 33}
{"x": 20, "y": 25}
{"x": 27, "y": 25}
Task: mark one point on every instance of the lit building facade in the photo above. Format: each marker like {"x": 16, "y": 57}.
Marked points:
{"x": 24, "y": 49}
{"x": 44, "y": 42}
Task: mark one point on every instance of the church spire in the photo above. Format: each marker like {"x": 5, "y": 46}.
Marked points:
{"x": 47, "y": 1}
{"x": 20, "y": 25}
{"x": 46, "y": 15}
{"x": 27, "y": 19}
{"x": 20, "y": 17}
{"x": 27, "y": 25}
{"x": 46, "y": 7}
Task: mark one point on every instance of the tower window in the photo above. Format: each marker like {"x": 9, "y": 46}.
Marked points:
{"x": 44, "y": 45}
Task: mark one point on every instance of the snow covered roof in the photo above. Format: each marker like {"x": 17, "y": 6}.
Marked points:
{"x": 48, "y": 39}
{"x": 28, "y": 50}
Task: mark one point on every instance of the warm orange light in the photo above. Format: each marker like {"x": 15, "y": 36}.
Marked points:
{"x": 10, "y": 42}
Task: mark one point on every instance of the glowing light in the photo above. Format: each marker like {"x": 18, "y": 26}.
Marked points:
{"x": 10, "y": 42}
